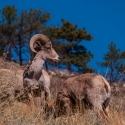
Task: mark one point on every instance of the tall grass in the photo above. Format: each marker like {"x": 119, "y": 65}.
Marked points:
{"x": 14, "y": 112}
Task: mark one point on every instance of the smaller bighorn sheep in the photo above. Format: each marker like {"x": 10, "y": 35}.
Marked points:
{"x": 92, "y": 90}
{"x": 35, "y": 76}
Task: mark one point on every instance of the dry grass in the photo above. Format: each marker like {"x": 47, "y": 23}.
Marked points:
{"x": 23, "y": 114}
{"x": 13, "y": 112}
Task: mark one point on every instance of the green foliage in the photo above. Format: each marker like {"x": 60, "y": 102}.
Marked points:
{"x": 16, "y": 31}
{"x": 69, "y": 45}
{"x": 35, "y": 20}
{"x": 9, "y": 14}
{"x": 7, "y": 29}
{"x": 114, "y": 61}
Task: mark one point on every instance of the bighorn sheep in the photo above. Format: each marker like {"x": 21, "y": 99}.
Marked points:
{"x": 35, "y": 76}
{"x": 90, "y": 89}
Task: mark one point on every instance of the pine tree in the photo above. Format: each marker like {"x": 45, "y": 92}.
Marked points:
{"x": 114, "y": 61}
{"x": 69, "y": 44}
{"x": 7, "y": 29}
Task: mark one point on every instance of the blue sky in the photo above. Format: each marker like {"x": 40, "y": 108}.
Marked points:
{"x": 103, "y": 19}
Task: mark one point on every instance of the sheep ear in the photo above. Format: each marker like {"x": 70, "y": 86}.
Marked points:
{"x": 48, "y": 45}
{"x": 41, "y": 48}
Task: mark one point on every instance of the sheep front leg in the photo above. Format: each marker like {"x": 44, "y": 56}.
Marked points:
{"x": 47, "y": 94}
{"x": 37, "y": 101}
{"x": 33, "y": 107}
{"x": 63, "y": 106}
{"x": 37, "y": 97}
{"x": 45, "y": 98}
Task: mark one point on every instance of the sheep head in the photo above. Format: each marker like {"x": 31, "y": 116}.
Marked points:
{"x": 42, "y": 44}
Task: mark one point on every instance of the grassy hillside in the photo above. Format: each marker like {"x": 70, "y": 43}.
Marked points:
{"x": 15, "y": 112}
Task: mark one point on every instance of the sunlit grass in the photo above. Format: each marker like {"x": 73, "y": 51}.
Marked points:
{"x": 13, "y": 112}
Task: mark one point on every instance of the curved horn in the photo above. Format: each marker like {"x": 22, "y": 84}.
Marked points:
{"x": 40, "y": 39}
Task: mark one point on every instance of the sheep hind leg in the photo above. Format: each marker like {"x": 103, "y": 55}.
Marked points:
{"x": 100, "y": 112}
{"x": 106, "y": 107}
{"x": 106, "y": 119}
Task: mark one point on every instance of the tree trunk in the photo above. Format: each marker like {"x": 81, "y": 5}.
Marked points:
{"x": 20, "y": 51}
{"x": 69, "y": 68}
{"x": 8, "y": 52}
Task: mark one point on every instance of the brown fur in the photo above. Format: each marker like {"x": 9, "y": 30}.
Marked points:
{"x": 91, "y": 89}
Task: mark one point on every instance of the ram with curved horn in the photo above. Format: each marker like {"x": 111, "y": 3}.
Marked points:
{"x": 35, "y": 77}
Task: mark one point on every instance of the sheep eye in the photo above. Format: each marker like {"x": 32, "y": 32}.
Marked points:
{"x": 47, "y": 49}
